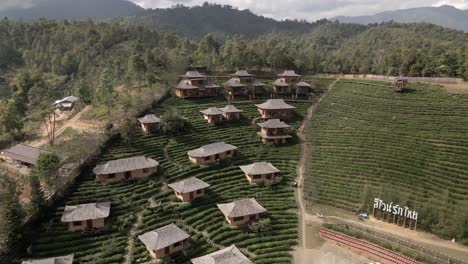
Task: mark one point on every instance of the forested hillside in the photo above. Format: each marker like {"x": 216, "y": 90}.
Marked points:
{"x": 223, "y": 20}
{"x": 73, "y": 10}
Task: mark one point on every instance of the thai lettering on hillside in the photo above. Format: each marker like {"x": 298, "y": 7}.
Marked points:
{"x": 395, "y": 209}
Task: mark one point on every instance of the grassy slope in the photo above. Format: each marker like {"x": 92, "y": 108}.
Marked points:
{"x": 228, "y": 183}
{"x": 404, "y": 147}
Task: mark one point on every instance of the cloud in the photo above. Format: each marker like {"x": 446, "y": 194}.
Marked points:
{"x": 311, "y": 9}
{"x": 15, "y": 4}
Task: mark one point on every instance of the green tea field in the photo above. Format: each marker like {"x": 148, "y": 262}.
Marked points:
{"x": 411, "y": 148}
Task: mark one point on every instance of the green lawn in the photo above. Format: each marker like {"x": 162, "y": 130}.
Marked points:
{"x": 409, "y": 148}
{"x": 227, "y": 184}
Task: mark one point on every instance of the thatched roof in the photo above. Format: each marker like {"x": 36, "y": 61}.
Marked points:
{"x": 189, "y": 185}
{"x": 303, "y": 84}
{"x": 211, "y": 111}
{"x": 83, "y": 212}
{"x": 274, "y": 123}
{"x": 149, "y": 119}
{"x": 229, "y": 255}
{"x": 163, "y": 237}
{"x": 279, "y": 82}
{"x": 185, "y": 85}
{"x": 242, "y": 73}
{"x": 230, "y": 109}
{"x": 211, "y": 149}
{"x": 193, "y": 75}
{"x": 23, "y": 153}
{"x": 123, "y": 165}
{"x": 259, "y": 168}
{"x": 242, "y": 207}
{"x": 56, "y": 260}
{"x": 233, "y": 83}
{"x": 289, "y": 73}
{"x": 275, "y": 104}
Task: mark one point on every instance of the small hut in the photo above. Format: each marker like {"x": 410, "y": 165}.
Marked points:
{"x": 400, "y": 84}
{"x": 276, "y": 108}
{"x": 213, "y": 115}
{"x": 259, "y": 172}
{"x": 274, "y": 131}
{"x": 234, "y": 88}
{"x": 150, "y": 123}
{"x": 230, "y": 113}
{"x": 242, "y": 211}
{"x": 243, "y": 77}
{"x": 303, "y": 88}
{"x": 212, "y": 153}
{"x": 290, "y": 77}
{"x": 86, "y": 216}
{"x": 67, "y": 103}
{"x": 22, "y": 155}
{"x": 280, "y": 87}
{"x": 125, "y": 169}
{"x": 194, "y": 84}
{"x": 164, "y": 241}
{"x": 229, "y": 255}
{"x": 189, "y": 189}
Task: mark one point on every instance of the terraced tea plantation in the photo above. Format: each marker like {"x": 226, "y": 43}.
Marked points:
{"x": 131, "y": 208}
{"x": 409, "y": 148}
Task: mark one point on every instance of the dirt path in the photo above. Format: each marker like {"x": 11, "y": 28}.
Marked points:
{"x": 62, "y": 124}
{"x": 128, "y": 258}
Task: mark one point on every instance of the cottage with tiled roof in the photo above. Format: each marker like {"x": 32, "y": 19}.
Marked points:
{"x": 230, "y": 113}
{"x": 189, "y": 189}
{"x": 86, "y": 216}
{"x": 22, "y": 155}
{"x": 274, "y": 131}
{"x": 276, "y": 108}
{"x": 242, "y": 211}
{"x": 229, "y": 255}
{"x": 125, "y": 169}
{"x": 212, "y": 153}
{"x": 213, "y": 115}
{"x": 164, "y": 241}
{"x": 150, "y": 123}
{"x": 259, "y": 171}
{"x": 194, "y": 84}
{"x": 55, "y": 260}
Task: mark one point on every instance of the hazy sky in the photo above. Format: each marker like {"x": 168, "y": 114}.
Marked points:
{"x": 280, "y": 9}
{"x": 312, "y": 9}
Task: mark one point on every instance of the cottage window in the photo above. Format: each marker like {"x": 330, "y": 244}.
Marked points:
{"x": 199, "y": 191}
{"x": 207, "y": 158}
{"x": 145, "y": 170}
{"x": 236, "y": 219}
{"x": 110, "y": 176}
{"x": 77, "y": 223}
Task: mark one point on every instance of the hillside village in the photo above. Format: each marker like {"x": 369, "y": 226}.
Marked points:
{"x": 334, "y": 142}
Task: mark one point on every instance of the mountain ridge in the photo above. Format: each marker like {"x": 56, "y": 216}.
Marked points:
{"x": 445, "y": 15}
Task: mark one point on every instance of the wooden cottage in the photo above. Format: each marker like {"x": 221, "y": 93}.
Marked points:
{"x": 55, "y": 260}
{"x": 243, "y": 77}
{"x": 234, "y": 88}
{"x": 276, "y": 108}
{"x": 228, "y": 255}
{"x": 242, "y": 211}
{"x": 280, "y": 87}
{"x": 66, "y": 104}
{"x": 230, "y": 113}
{"x": 189, "y": 189}
{"x": 164, "y": 241}
{"x": 290, "y": 77}
{"x": 274, "y": 131}
{"x": 125, "y": 169}
{"x": 194, "y": 84}
{"x": 303, "y": 88}
{"x": 86, "y": 216}
{"x": 257, "y": 88}
{"x": 212, "y": 153}
{"x": 259, "y": 172}
{"x": 150, "y": 123}
{"x": 22, "y": 155}
{"x": 213, "y": 115}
